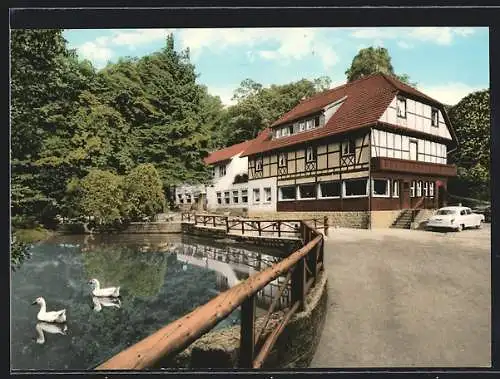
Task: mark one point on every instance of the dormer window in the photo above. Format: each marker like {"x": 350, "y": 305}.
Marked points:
{"x": 258, "y": 164}
{"x": 302, "y": 126}
{"x": 282, "y": 160}
{"x": 222, "y": 170}
{"x": 278, "y": 133}
{"x": 310, "y": 154}
{"x": 434, "y": 117}
{"x": 349, "y": 147}
{"x": 316, "y": 121}
{"x": 401, "y": 105}
{"x": 309, "y": 124}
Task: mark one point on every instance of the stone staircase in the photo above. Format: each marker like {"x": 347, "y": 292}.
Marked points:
{"x": 405, "y": 218}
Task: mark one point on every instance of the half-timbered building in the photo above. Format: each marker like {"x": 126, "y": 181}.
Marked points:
{"x": 372, "y": 145}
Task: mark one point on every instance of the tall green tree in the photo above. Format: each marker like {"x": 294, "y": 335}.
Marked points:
{"x": 373, "y": 60}
{"x": 143, "y": 192}
{"x": 471, "y": 121}
{"x": 46, "y": 81}
{"x": 102, "y": 197}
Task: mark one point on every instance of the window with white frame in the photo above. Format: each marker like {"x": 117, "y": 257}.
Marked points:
{"x": 380, "y": 187}
{"x": 267, "y": 194}
{"x": 426, "y": 189}
{"x": 309, "y": 124}
{"x": 307, "y": 191}
{"x": 285, "y": 131}
{"x": 401, "y": 105}
{"x": 219, "y": 198}
{"x": 256, "y": 195}
{"x": 226, "y": 197}
{"x": 282, "y": 160}
{"x": 236, "y": 197}
{"x": 310, "y": 154}
{"x": 419, "y": 188}
{"x": 431, "y": 189}
{"x": 188, "y": 198}
{"x": 434, "y": 117}
{"x": 355, "y": 188}
{"x": 287, "y": 193}
{"x": 329, "y": 190}
{"x": 316, "y": 121}
{"x": 278, "y": 133}
{"x": 348, "y": 147}
{"x": 181, "y": 199}
{"x": 244, "y": 196}
{"x": 212, "y": 169}
{"x": 395, "y": 188}
{"x": 412, "y": 189}
{"x": 222, "y": 170}
{"x": 258, "y": 164}
{"x": 302, "y": 126}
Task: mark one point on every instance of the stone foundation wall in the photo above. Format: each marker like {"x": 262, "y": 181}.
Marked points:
{"x": 383, "y": 219}
{"x": 153, "y": 228}
{"x": 354, "y": 219}
{"x": 294, "y": 348}
{"x": 420, "y": 221}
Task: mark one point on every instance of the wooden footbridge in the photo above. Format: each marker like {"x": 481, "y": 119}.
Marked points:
{"x": 300, "y": 270}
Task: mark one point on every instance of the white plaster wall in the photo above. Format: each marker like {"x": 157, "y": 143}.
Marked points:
{"x": 380, "y": 140}
{"x": 212, "y": 203}
{"x": 237, "y": 166}
{"x": 418, "y": 117}
{"x": 262, "y": 206}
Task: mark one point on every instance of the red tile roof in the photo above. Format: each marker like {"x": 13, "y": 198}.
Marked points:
{"x": 227, "y": 153}
{"x": 366, "y": 100}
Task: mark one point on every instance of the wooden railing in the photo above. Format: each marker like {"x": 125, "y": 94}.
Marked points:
{"x": 259, "y": 227}
{"x": 301, "y": 268}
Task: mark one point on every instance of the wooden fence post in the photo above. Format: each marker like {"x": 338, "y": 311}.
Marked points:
{"x": 325, "y": 225}
{"x": 259, "y": 228}
{"x": 279, "y": 228}
{"x": 299, "y": 284}
{"x": 247, "y": 333}
{"x": 242, "y": 227}
{"x": 227, "y": 225}
{"x": 214, "y": 221}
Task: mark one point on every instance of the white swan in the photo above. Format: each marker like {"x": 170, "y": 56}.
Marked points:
{"x": 100, "y": 302}
{"x": 43, "y": 315}
{"x": 49, "y": 328}
{"x": 103, "y": 292}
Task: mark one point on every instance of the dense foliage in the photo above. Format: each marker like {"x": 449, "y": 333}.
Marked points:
{"x": 373, "y": 60}
{"x": 471, "y": 121}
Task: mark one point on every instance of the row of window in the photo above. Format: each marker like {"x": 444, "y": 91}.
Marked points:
{"x": 401, "y": 111}
{"x": 187, "y": 197}
{"x": 241, "y": 197}
{"x": 298, "y": 127}
{"x": 421, "y": 188}
{"x": 348, "y": 148}
{"x": 352, "y": 188}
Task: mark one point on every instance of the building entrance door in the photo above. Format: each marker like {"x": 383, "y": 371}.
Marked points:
{"x": 405, "y": 196}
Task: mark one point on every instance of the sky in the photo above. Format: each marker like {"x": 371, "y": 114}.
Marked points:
{"x": 447, "y": 63}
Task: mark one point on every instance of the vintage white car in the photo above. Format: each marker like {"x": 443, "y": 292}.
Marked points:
{"x": 456, "y": 218}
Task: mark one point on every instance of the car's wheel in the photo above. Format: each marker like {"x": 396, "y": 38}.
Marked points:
{"x": 478, "y": 225}
{"x": 460, "y": 227}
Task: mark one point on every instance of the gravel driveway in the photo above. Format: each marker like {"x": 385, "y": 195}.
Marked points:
{"x": 400, "y": 298}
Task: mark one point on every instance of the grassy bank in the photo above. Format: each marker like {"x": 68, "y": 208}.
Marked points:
{"x": 33, "y": 235}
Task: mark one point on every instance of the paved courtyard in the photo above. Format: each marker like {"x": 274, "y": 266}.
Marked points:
{"x": 407, "y": 298}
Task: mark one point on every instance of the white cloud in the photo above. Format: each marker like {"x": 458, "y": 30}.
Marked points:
{"x": 96, "y": 53}
{"x": 292, "y": 43}
{"x": 438, "y": 35}
{"x": 135, "y": 37}
{"x": 404, "y": 45}
{"x": 449, "y": 93}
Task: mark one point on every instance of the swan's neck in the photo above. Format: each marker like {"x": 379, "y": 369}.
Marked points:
{"x": 43, "y": 308}
{"x": 97, "y": 286}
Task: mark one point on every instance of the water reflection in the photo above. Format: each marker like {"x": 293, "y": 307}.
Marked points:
{"x": 46, "y": 327}
{"x": 100, "y": 302}
{"x": 155, "y": 291}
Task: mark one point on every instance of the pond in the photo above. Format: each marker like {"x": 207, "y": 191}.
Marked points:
{"x": 161, "y": 278}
